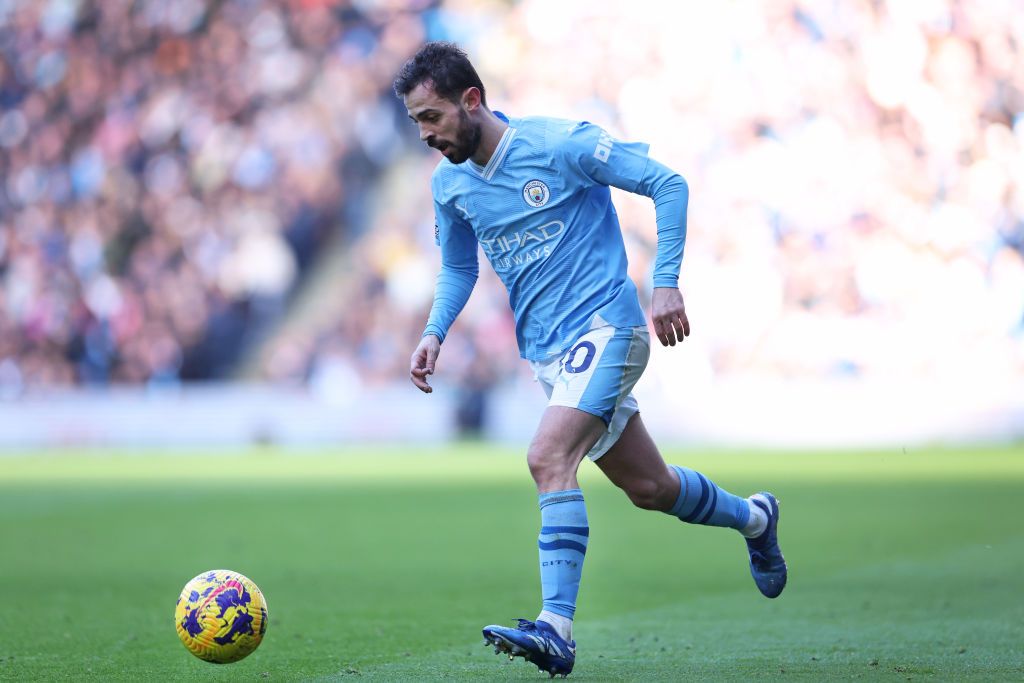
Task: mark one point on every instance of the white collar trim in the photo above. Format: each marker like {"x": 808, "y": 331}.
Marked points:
{"x": 487, "y": 172}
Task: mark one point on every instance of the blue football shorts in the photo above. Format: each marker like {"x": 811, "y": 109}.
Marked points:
{"x": 597, "y": 375}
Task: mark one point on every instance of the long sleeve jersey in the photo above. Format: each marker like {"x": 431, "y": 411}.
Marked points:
{"x": 541, "y": 212}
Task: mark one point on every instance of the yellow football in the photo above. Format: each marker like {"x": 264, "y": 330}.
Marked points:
{"x": 221, "y": 616}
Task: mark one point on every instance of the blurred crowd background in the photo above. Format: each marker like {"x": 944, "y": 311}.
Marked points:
{"x": 222, "y": 190}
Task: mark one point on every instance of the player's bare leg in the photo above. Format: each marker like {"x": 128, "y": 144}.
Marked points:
{"x": 563, "y": 439}
{"x": 635, "y": 465}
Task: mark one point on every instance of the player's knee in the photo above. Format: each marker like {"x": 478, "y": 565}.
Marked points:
{"x": 549, "y": 464}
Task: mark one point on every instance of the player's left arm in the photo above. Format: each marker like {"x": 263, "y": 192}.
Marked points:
{"x": 671, "y": 195}
{"x": 628, "y": 166}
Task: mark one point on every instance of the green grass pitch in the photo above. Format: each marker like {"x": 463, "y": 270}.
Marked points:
{"x": 383, "y": 564}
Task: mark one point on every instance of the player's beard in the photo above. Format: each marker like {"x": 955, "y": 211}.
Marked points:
{"x": 467, "y": 139}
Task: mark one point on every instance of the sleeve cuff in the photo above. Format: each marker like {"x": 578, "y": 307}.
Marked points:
{"x": 434, "y": 330}
{"x": 667, "y": 281}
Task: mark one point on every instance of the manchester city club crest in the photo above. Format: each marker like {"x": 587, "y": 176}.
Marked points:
{"x": 536, "y": 193}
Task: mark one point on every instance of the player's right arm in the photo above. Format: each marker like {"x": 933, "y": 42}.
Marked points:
{"x": 422, "y": 363}
{"x": 455, "y": 282}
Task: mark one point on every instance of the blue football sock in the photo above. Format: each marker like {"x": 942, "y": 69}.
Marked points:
{"x": 702, "y": 502}
{"x": 563, "y": 544}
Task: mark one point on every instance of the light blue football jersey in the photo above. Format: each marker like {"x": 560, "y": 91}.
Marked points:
{"x": 541, "y": 212}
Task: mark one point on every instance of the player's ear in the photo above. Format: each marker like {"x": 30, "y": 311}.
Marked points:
{"x": 471, "y": 98}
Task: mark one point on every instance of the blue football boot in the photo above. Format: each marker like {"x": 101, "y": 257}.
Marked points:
{"x": 767, "y": 565}
{"x": 536, "y": 642}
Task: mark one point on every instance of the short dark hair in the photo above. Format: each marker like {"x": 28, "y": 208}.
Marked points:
{"x": 446, "y": 66}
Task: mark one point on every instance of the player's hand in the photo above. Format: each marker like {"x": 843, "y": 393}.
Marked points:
{"x": 669, "y": 314}
{"x": 422, "y": 363}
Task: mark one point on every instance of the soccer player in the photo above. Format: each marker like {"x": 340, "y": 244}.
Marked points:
{"x": 533, "y": 193}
